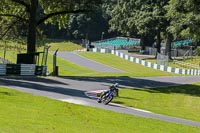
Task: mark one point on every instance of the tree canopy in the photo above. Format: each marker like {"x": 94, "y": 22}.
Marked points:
{"x": 149, "y": 20}
{"x": 141, "y": 17}
{"x": 185, "y": 18}
{"x": 32, "y": 13}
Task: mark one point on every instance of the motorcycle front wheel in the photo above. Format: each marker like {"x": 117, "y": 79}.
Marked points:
{"x": 107, "y": 100}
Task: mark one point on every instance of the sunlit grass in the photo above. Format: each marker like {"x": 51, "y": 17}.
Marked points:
{"x": 18, "y": 114}
{"x": 64, "y": 46}
{"x": 66, "y": 68}
{"x": 180, "y": 101}
{"x": 131, "y": 69}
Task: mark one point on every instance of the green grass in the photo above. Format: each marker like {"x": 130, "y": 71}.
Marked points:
{"x": 11, "y": 45}
{"x": 67, "y": 68}
{"x": 11, "y": 54}
{"x": 18, "y": 114}
{"x": 13, "y": 48}
{"x": 64, "y": 46}
{"x": 131, "y": 69}
{"x": 195, "y": 60}
{"x": 43, "y": 115}
{"x": 181, "y": 101}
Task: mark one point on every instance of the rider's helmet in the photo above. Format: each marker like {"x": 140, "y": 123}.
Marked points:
{"x": 116, "y": 85}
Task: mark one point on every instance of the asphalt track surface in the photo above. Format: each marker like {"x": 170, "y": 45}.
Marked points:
{"x": 73, "y": 90}
{"x": 79, "y": 60}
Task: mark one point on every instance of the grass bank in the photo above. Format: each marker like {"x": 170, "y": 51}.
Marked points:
{"x": 21, "y": 112}
{"x": 64, "y": 46}
{"x": 131, "y": 69}
{"x": 180, "y": 101}
{"x": 67, "y": 68}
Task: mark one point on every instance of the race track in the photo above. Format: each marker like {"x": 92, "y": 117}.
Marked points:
{"x": 73, "y": 90}
{"x": 81, "y": 61}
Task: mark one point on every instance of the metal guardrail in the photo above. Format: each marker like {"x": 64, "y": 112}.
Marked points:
{"x": 22, "y": 69}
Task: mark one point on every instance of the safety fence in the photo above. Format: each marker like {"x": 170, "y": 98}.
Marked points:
{"x": 148, "y": 64}
{"x": 22, "y": 69}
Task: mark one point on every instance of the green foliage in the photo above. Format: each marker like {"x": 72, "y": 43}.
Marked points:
{"x": 185, "y": 18}
{"x": 31, "y": 14}
{"x": 145, "y": 19}
{"x": 197, "y": 51}
{"x": 138, "y": 16}
{"x": 89, "y": 26}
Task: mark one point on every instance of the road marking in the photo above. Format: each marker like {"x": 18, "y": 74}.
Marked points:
{"x": 75, "y": 101}
{"x": 146, "y": 111}
{"x": 93, "y": 94}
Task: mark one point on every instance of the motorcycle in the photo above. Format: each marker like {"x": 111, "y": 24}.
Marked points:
{"x": 107, "y": 96}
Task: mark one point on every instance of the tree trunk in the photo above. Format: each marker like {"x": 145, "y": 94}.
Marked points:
{"x": 31, "y": 39}
{"x": 168, "y": 45}
{"x": 158, "y": 42}
{"x": 142, "y": 42}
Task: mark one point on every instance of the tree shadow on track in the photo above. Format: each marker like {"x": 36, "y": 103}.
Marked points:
{"x": 145, "y": 84}
{"x": 41, "y": 84}
{"x": 32, "y": 79}
{"x": 70, "y": 85}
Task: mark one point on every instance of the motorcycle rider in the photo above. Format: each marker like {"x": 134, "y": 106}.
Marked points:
{"x": 113, "y": 87}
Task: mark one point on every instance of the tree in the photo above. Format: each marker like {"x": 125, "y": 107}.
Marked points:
{"x": 197, "y": 51}
{"x": 87, "y": 26}
{"x": 143, "y": 17}
{"x": 32, "y": 13}
{"x": 185, "y": 18}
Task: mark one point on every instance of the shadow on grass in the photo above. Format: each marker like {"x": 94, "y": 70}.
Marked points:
{"x": 189, "y": 89}
{"x": 6, "y": 93}
{"x": 128, "y": 98}
{"x": 119, "y": 102}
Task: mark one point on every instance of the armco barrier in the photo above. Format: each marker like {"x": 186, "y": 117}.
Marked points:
{"x": 22, "y": 69}
{"x": 2, "y": 69}
{"x": 148, "y": 64}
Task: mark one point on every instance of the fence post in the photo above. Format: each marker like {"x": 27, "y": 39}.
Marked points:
{"x": 55, "y": 68}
